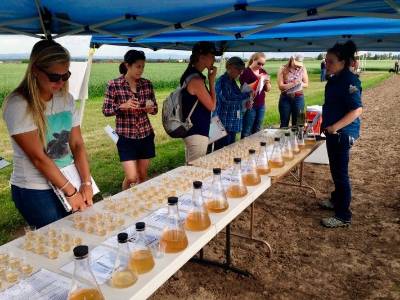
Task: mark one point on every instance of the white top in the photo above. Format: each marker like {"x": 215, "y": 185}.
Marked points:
{"x": 61, "y": 116}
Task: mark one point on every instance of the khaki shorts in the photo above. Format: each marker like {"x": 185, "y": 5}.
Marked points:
{"x": 195, "y": 147}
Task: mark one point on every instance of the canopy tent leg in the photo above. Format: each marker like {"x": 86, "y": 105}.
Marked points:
{"x": 85, "y": 85}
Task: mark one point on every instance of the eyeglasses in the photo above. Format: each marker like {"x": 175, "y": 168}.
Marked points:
{"x": 260, "y": 64}
{"x": 53, "y": 77}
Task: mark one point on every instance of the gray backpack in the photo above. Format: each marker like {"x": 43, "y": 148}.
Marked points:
{"x": 172, "y": 117}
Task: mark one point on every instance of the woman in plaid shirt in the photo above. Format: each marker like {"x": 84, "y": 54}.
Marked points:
{"x": 130, "y": 98}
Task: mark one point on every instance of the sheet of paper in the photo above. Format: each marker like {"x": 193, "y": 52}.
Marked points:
{"x": 42, "y": 285}
{"x": 3, "y": 163}
{"x": 71, "y": 173}
{"x": 152, "y": 236}
{"x": 160, "y": 219}
{"x": 217, "y": 130}
{"x": 111, "y": 133}
{"x": 102, "y": 261}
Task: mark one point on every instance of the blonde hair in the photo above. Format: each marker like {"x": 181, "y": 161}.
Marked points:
{"x": 254, "y": 57}
{"x": 286, "y": 67}
{"x": 44, "y": 54}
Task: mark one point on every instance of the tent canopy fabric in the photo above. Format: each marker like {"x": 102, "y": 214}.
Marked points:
{"x": 250, "y": 25}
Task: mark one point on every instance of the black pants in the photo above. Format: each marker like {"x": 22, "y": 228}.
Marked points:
{"x": 338, "y": 146}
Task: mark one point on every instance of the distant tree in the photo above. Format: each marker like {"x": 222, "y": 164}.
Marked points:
{"x": 320, "y": 56}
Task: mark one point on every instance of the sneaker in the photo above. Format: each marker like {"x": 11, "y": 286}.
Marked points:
{"x": 333, "y": 222}
{"x": 326, "y": 204}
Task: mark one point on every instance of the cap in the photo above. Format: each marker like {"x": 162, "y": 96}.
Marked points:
{"x": 263, "y": 144}
{"x": 217, "y": 171}
{"x": 122, "y": 237}
{"x": 197, "y": 184}
{"x": 140, "y": 226}
{"x": 287, "y": 133}
{"x": 298, "y": 59}
{"x": 205, "y": 48}
{"x": 237, "y": 159}
{"x": 172, "y": 200}
{"x": 81, "y": 251}
{"x": 277, "y": 139}
{"x": 252, "y": 151}
{"x": 236, "y": 62}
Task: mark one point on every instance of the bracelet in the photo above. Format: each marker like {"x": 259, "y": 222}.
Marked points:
{"x": 65, "y": 185}
{"x": 73, "y": 194}
{"x": 87, "y": 183}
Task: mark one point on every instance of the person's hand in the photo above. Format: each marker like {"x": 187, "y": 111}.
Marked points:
{"x": 87, "y": 193}
{"x": 212, "y": 73}
{"x": 331, "y": 130}
{"x": 130, "y": 104}
{"x": 77, "y": 202}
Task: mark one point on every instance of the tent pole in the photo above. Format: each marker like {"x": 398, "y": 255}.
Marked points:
{"x": 46, "y": 31}
{"x": 86, "y": 83}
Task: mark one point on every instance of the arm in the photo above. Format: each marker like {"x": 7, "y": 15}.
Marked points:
{"x": 81, "y": 162}
{"x": 110, "y": 108}
{"x": 281, "y": 85}
{"x": 305, "y": 78}
{"x": 196, "y": 87}
{"x": 346, "y": 120}
{"x": 30, "y": 143}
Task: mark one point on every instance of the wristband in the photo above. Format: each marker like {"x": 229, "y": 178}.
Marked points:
{"x": 87, "y": 183}
{"x": 72, "y": 195}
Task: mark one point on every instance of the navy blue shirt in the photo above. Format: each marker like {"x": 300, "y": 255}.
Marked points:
{"x": 342, "y": 95}
{"x": 201, "y": 116}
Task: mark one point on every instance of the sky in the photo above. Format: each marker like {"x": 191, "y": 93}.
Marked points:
{"x": 79, "y": 46}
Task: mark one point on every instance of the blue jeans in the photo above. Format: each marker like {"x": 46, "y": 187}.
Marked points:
{"x": 225, "y": 141}
{"x": 38, "y": 207}
{"x": 289, "y": 106}
{"x": 338, "y": 146}
{"x": 252, "y": 120}
{"x": 323, "y": 75}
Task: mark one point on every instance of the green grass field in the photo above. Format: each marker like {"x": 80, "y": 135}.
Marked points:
{"x": 103, "y": 156}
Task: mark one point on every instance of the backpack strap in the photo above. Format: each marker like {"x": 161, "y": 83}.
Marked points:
{"x": 184, "y": 85}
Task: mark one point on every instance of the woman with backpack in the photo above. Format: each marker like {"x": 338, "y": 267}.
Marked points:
{"x": 197, "y": 97}
{"x": 130, "y": 98}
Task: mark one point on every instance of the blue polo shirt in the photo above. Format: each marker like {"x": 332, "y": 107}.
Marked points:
{"x": 342, "y": 95}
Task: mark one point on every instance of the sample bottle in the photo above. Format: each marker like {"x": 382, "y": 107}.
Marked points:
{"x": 197, "y": 218}
{"x": 287, "y": 152}
{"x": 216, "y": 201}
{"x": 250, "y": 175}
{"x": 276, "y": 159}
{"x": 173, "y": 238}
{"x": 263, "y": 167}
{"x": 236, "y": 189}
{"x": 141, "y": 257}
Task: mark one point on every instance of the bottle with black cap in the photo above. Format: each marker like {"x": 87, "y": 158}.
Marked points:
{"x": 173, "y": 238}
{"x": 215, "y": 197}
{"x": 294, "y": 141}
{"x": 197, "y": 219}
{"x": 287, "y": 151}
{"x": 84, "y": 285}
{"x": 250, "y": 175}
{"x": 124, "y": 275}
{"x": 262, "y": 160}
{"x": 300, "y": 136}
{"x": 276, "y": 160}
{"x": 236, "y": 189}
{"x": 310, "y": 138}
{"x": 141, "y": 257}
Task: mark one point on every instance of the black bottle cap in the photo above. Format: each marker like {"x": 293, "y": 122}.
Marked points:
{"x": 277, "y": 139}
{"x": 237, "y": 160}
{"x": 301, "y": 126}
{"x": 217, "y": 171}
{"x": 309, "y": 121}
{"x": 293, "y": 129}
{"x": 122, "y": 237}
{"x": 172, "y": 200}
{"x": 252, "y": 151}
{"x": 140, "y": 226}
{"x": 81, "y": 251}
{"x": 197, "y": 184}
{"x": 287, "y": 133}
{"x": 263, "y": 144}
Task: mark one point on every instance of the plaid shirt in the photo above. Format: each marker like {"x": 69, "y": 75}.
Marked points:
{"x": 131, "y": 123}
{"x": 230, "y": 103}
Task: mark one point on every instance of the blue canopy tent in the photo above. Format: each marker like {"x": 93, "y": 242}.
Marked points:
{"x": 234, "y": 25}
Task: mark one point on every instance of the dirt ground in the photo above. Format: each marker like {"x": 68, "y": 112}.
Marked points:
{"x": 311, "y": 262}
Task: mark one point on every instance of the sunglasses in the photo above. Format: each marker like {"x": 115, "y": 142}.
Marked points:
{"x": 260, "y": 64}
{"x": 53, "y": 77}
